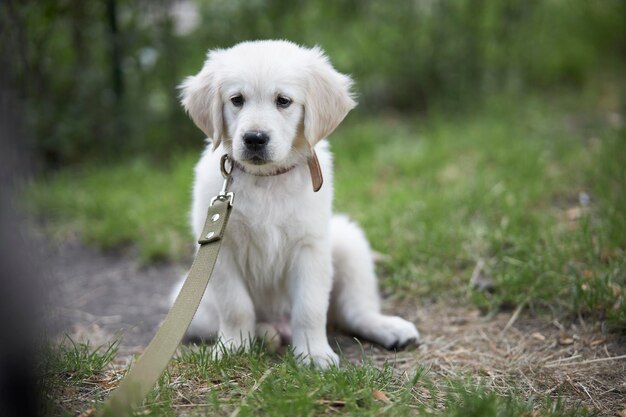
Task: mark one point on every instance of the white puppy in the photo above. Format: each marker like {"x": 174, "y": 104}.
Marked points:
{"x": 285, "y": 259}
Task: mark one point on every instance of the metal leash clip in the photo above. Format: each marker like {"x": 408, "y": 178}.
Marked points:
{"x": 224, "y": 194}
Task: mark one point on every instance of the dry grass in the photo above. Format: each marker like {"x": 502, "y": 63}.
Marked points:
{"x": 512, "y": 353}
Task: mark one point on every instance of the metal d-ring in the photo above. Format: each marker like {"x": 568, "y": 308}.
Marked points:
{"x": 224, "y": 194}
{"x": 226, "y": 172}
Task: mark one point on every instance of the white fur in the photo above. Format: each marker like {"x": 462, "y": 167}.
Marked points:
{"x": 284, "y": 258}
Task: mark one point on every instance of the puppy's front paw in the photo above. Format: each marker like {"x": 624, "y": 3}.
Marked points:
{"x": 321, "y": 358}
{"x": 394, "y": 332}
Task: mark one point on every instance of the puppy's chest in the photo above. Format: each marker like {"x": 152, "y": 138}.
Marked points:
{"x": 272, "y": 219}
{"x": 265, "y": 240}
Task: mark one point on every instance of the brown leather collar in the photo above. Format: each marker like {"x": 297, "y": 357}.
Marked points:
{"x": 279, "y": 171}
{"x": 314, "y": 168}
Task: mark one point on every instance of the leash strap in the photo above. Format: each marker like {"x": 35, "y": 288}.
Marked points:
{"x": 145, "y": 373}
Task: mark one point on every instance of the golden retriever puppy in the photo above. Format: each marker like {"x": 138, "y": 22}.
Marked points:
{"x": 285, "y": 259}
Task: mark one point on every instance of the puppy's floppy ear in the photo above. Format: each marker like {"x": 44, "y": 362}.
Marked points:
{"x": 328, "y": 99}
{"x": 200, "y": 96}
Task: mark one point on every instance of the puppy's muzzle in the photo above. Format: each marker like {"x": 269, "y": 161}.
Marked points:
{"x": 255, "y": 147}
{"x": 255, "y": 140}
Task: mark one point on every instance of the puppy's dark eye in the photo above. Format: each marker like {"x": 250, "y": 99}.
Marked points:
{"x": 283, "y": 102}
{"x": 237, "y": 100}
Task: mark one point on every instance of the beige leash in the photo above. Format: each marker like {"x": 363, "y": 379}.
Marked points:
{"x": 146, "y": 371}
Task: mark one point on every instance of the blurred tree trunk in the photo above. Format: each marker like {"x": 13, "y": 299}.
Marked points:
{"x": 116, "y": 53}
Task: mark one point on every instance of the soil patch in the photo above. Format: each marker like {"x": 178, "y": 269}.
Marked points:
{"x": 97, "y": 297}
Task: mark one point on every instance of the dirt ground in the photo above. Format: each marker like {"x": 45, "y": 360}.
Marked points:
{"x": 99, "y": 297}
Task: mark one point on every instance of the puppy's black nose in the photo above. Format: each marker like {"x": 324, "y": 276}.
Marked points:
{"x": 255, "y": 140}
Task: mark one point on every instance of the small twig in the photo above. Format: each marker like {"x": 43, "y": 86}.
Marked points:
{"x": 513, "y": 318}
{"x": 190, "y": 405}
{"x": 390, "y": 359}
{"x": 613, "y": 358}
{"x": 558, "y": 325}
{"x": 598, "y": 406}
{"x": 607, "y": 391}
{"x": 558, "y": 361}
{"x": 478, "y": 269}
{"x": 332, "y": 403}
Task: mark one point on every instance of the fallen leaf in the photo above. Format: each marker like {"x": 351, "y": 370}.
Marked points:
{"x": 381, "y": 396}
{"x": 87, "y": 413}
{"x": 565, "y": 340}
{"x": 574, "y": 213}
{"x": 494, "y": 348}
{"x": 622, "y": 413}
{"x": 597, "y": 342}
{"x": 538, "y": 336}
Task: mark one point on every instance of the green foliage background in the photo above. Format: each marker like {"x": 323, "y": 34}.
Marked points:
{"x": 97, "y": 78}
{"x": 504, "y": 141}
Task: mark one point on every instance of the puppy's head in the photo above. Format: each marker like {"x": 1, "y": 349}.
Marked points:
{"x": 268, "y": 102}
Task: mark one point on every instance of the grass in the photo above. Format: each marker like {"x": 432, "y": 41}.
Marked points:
{"x": 509, "y": 187}
{"x": 259, "y": 383}
{"x": 525, "y": 195}
{"x": 133, "y": 204}
{"x": 71, "y": 370}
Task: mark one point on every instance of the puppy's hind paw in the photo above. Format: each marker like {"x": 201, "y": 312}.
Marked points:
{"x": 394, "y": 332}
